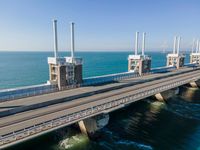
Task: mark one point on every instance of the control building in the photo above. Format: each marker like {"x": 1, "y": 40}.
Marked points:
{"x": 64, "y": 71}
{"x": 175, "y": 58}
{"x": 140, "y": 63}
{"x": 195, "y": 56}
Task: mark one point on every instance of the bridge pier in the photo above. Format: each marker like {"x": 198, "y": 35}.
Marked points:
{"x": 190, "y": 94}
{"x": 90, "y": 125}
{"x": 166, "y": 94}
{"x": 195, "y": 84}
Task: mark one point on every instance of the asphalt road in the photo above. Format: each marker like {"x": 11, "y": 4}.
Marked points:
{"x": 73, "y": 94}
{"x": 26, "y": 119}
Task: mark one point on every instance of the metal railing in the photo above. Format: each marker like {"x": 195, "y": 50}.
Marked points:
{"x": 108, "y": 78}
{"x": 82, "y": 114}
{"x": 121, "y": 76}
{"x": 22, "y": 92}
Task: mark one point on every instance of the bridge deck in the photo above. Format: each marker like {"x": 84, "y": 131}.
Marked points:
{"x": 26, "y": 119}
{"x": 68, "y": 95}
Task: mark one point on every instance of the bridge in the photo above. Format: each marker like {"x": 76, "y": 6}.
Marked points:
{"x": 66, "y": 99}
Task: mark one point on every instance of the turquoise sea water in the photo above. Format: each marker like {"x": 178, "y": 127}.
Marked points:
{"x": 28, "y": 68}
{"x": 144, "y": 125}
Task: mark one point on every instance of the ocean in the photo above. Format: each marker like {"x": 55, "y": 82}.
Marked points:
{"x": 144, "y": 125}
{"x": 30, "y": 68}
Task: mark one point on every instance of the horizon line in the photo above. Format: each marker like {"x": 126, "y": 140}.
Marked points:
{"x": 89, "y": 50}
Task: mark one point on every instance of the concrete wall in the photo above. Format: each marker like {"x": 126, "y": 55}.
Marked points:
{"x": 78, "y": 74}
{"x": 61, "y": 77}
{"x": 145, "y": 66}
{"x": 16, "y": 93}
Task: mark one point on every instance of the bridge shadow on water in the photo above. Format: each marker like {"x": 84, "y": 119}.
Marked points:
{"x": 156, "y": 125}
{"x": 190, "y": 94}
{"x": 144, "y": 125}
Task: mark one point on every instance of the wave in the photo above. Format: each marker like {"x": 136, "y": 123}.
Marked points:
{"x": 134, "y": 144}
{"x": 183, "y": 108}
{"x": 114, "y": 141}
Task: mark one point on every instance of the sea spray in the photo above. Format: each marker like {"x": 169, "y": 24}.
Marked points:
{"x": 112, "y": 140}
{"x": 73, "y": 140}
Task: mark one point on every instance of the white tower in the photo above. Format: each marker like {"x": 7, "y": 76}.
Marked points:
{"x": 195, "y": 56}
{"x": 74, "y": 67}
{"x": 139, "y": 63}
{"x": 57, "y": 65}
{"x": 175, "y": 58}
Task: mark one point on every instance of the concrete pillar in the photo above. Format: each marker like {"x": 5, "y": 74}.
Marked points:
{"x": 72, "y": 39}
{"x": 78, "y": 76}
{"x": 90, "y": 125}
{"x": 193, "y": 84}
{"x": 166, "y": 94}
{"x": 178, "y": 63}
{"x": 50, "y": 72}
{"x": 61, "y": 77}
{"x": 82, "y": 127}
{"x": 136, "y": 42}
{"x": 159, "y": 97}
{"x": 55, "y": 38}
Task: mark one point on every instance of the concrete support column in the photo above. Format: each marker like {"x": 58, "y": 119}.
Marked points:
{"x": 195, "y": 84}
{"x": 82, "y": 127}
{"x": 61, "y": 77}
{"x": 159, "y": 97}
{"x": 90, "y": 125}
{"x": 166, "y": 94}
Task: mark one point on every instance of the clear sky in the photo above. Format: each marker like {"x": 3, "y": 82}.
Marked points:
{"x": 99, "y": 24}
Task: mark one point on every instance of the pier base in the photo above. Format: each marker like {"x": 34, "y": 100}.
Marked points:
{"x": 190, "y": 94}
{"x": 166, "y": 94}
{"x": 90, "y": 125}
{"x": 195, "y": 84}
{"x": 159, "y": 97}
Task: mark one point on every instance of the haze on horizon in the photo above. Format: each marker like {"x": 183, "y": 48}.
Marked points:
{"x": 26, "y": 25}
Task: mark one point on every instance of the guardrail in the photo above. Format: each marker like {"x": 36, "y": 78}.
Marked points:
{"x": 121, "y": 76}
{"x": 105, "y": 107}
{"x": 16, "y": 93}
{"x": 22, "y": 92}
{"x": 108, "y": 78}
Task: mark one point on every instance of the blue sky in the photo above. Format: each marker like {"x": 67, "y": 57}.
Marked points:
{"x": 99, "y": 24}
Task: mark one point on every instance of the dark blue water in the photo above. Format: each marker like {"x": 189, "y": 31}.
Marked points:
{"x": 144, "y": 125}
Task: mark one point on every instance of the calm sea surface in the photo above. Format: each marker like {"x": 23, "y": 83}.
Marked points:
{"x": 144, "y": 125}
{"x": 28, "y": 68}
